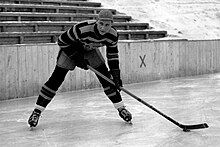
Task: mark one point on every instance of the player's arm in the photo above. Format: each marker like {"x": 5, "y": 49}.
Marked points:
{"x": 113, "y": 63}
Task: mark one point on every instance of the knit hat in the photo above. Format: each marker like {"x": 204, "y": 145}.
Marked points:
{"x": 105, "y": 15}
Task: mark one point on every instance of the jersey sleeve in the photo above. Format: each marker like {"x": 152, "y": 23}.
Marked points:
{"x": 69, "y": 37}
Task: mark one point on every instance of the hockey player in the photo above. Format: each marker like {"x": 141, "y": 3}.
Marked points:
{"x": 79, "y": 47}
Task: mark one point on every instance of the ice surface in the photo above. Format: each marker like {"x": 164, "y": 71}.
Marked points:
{"x": 87, "y": 118}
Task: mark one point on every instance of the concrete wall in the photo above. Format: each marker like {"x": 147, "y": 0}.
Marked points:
{"x": 25, "y": 68}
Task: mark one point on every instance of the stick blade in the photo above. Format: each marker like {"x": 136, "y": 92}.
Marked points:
{"x": 187, "y": 128}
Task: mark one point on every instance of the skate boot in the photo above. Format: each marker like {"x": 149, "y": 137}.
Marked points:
{"x": 33, "y": 120}
{"x": 125, "y": 114}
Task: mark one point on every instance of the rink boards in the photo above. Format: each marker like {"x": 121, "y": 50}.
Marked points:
{"x": 25, "y": 68}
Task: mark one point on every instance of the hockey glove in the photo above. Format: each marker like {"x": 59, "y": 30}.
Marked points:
{"x": 116, "y": 78}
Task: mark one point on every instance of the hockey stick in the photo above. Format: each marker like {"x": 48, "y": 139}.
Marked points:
{"x": 186, "y": 128}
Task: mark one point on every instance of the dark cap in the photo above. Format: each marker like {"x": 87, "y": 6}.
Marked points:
{"x": 105, "y": 15}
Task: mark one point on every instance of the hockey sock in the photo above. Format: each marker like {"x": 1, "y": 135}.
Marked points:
{"x": 48, "y": 90}
{"x": 113, "y": 94}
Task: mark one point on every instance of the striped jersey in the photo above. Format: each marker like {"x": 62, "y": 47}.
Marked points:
{"x": 87, "y": 34}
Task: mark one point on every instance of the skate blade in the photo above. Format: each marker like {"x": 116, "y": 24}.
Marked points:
{"x": 31, "y": 128}
{"x": 129, "y": 122}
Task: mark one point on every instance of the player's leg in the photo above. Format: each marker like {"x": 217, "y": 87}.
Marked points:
{"x": 96, "y": 60}
{"x": 48, "y": 90}
{"x": 113, "y": 94}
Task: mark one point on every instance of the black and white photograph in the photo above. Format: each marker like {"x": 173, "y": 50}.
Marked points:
{"x": 109, "y": 73}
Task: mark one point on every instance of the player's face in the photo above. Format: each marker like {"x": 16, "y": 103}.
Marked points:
{"x": 104, "y": 26}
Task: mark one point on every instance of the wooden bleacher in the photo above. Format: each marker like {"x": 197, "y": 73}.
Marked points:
{"x": 55, "y": 2}
{"x": 35, "y": 26}
{"x": 51, "y": 36}
{"x": 30, "y": 16}
{"x": 42, "y": 21}
{"x": 50, "y": 9}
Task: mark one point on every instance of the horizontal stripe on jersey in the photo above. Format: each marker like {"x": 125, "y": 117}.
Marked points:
{"x": 87, "y": 34}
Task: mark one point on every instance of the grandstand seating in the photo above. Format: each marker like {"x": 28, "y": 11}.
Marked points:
{"x": 42, "y": 21}
{"x": 50, "y": 9}
{"x": 55, "y": 2}
{"x": 51, "y": 36}
{"x": 27, "y": 26}
{"x": 30, "y": 16}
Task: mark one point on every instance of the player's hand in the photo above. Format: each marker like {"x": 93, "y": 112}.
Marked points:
{"x": 116, "y": 78}
{"x": 118, "y": 83}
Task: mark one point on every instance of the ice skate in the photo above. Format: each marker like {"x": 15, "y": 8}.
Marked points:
{"x": 125, "y": 114}
{"x": 33, "y": 120}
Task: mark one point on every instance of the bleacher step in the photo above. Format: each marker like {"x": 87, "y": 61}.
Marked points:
{"x": 51, "y": 37}
{"x": 31, "y": 16}
{"x": 51, "y": 9}
{"x": 60, "y": 26}
{"x": 55, "y": 2}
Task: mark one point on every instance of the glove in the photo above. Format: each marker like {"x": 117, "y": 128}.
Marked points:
{"x": 80, "y": 61}
{"x": 116, "y": 78}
